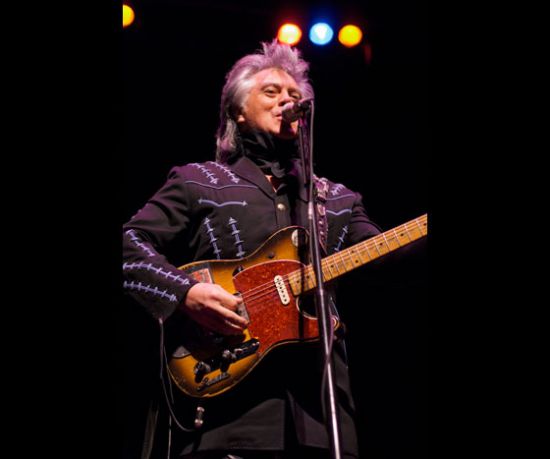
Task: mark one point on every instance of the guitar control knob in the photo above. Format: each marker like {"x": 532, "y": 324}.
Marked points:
{"x": 201, "y": 368}
{"x": 238, "y": 269}
{"x": 228, "y": 356}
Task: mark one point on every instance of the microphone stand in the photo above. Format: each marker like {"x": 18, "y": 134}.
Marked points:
{"x": 324, "y": 319}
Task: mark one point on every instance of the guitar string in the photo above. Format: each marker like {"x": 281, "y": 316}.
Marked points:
{"x": 259, "y": 306}
{"x": 258, "y": 291}
{"x": 369, "y": 244}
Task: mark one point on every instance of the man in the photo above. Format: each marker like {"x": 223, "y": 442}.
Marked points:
{"x": 226, "y": 210}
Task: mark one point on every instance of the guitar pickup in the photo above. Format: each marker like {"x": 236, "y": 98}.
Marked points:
{"x": 281, "y": 289}
{"x": 246, "y": 348}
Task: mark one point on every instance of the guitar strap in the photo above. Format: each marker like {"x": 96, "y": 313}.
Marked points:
{"x": 321, "y": 192}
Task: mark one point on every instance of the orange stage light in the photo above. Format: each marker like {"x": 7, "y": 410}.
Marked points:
{"x": 289, "y": 33}
{"x": 128, "y": 15}
{"x": 350, "y": 35}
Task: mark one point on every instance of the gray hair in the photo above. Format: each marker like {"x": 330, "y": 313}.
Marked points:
{"x": 238, "y": 83}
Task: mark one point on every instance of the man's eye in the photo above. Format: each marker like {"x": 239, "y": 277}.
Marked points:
{"x": 270, "y": 92}
{"x": 296, "y": 96}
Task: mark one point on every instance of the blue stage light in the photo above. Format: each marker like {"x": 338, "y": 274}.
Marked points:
{"x": 321, "y": 33}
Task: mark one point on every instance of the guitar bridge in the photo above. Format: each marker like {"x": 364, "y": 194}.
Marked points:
{"x": 224, "y": 359}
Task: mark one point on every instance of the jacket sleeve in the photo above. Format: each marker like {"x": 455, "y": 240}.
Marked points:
{"x": 360, "y": 226}
{"x": 148, "y": 276}
{"x": 401, "y": 268}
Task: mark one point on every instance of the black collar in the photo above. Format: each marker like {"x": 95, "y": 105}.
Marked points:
{"x": 248, "y": 170}
{"x": 272, "y": 155}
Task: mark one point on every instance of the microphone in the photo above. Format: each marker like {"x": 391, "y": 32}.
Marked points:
{"x": 295, "y": 110}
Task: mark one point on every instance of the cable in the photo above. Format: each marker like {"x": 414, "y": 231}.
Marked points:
{"x": 169, "y": 395}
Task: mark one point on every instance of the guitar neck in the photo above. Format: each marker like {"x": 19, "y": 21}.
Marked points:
{"x": 340, "y": 263}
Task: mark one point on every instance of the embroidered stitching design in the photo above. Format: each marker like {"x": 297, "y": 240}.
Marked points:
{"x": 343, "y": 211}
{"x": 336, "y": 189}
{"x": 341, "y": 197}
{"x": 227, "y": 171}
{"x": 211, "y": 176}
{"x": 137, "y": 241}
{"x": 220, "y": 187}
{"x": 159, "y": 271}
{"x": 210, "y": 232}
{"x": 341, "y": 238}
{"x": 223, "y": 204}
{"x": 238, "y": 240}
{"x": 147, "y": 288}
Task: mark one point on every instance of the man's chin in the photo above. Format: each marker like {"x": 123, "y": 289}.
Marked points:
{"x": 287, "y": 134}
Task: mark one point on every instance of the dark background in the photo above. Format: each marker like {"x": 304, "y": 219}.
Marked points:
{"x": 373, "y": 132}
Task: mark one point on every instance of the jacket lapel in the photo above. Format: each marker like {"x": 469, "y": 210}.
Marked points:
{"x": 247, "y": 170}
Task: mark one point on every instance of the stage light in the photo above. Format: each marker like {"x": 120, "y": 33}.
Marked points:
{"x": 128, "y": 15}
{"x": 350, "y": 35}
{"x": 289, "y": 33}
{"x": 321, "y": 33}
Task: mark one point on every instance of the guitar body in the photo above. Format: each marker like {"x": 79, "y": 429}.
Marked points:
{"x": 206, "y": 364}
{"x": 271, "y": 282}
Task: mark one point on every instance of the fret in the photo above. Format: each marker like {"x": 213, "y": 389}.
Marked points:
{"x": 349, "y": 256}
{"x": 337, "y": 263}
{"x": 380, "y": 244}
{"x": 375, "y": 241}
{"x": 328, "y": 263}
{"x": 357, "y": 260}
{"x": 372, "y": 250}
{"x": 346, "y": 260}
{"x": 349, "y": 261}
{"x": 407, "y": 232}
{"x": 423, "y": 231}
{"x": 342, "y": 262}
{"x": 389, "y": 240}
{"x": 365, "y": 249}
{"x": 414, "y": 233}
{"x": 358, "y": 249}
{"x": 418, "y": 224}
{"x": 386, "y": 241}
{"x": 396, "y": 237}
{"x": 295, "y": 283}
{"x": 299, "y": 282}
{"x": 310, "y": 279}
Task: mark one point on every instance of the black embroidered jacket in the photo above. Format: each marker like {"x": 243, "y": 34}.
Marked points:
{"x": 216, "y": 211}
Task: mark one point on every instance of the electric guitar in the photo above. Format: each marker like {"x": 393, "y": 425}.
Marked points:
{"x": 270, "y": 281}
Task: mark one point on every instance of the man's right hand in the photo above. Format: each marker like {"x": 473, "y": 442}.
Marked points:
{"x": 212, "y": 307}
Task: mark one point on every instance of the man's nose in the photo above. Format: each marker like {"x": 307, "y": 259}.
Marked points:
{"x": 285, "y": 98}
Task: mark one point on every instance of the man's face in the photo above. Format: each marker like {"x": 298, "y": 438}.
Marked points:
{"x": 272, "y": 89}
